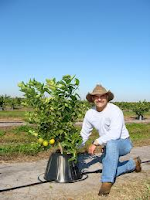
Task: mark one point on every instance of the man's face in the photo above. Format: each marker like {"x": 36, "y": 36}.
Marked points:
{"x": 100, "y": 101}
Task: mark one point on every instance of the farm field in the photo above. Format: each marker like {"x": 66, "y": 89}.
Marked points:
{"x": 19, "y": 149}
{"x": 16, "y": 142}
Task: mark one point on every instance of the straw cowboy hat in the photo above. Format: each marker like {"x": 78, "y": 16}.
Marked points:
{"x": 100, "y": 90}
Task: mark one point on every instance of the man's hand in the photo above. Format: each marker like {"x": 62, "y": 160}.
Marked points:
{"x": 92, "y": 148}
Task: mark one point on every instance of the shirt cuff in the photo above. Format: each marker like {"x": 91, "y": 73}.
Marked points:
{"x": 96, "y": 143}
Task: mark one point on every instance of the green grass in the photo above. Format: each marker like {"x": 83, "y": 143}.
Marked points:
{"x": 12, "y": 114}
{"x": 132, "y": 114}
{"x": 129, "y": 114}
{"x": 23, "y": 128}
{"x": 16, "y": 135}
{"x": 139, "y": 133}
{"x": 2, "y": 133}
{"x": 16, "y": 140}
{"x": 12, "y": 149}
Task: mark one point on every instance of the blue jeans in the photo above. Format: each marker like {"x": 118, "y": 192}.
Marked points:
{"x": 112, "y": 167}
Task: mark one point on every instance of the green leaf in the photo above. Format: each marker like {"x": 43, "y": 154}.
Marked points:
{"x": 77, "y": 81}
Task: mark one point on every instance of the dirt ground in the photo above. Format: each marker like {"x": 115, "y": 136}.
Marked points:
{"x": 129, "y": 186}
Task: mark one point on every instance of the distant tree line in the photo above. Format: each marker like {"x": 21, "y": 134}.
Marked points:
{"x": 139, "y": 108}
{"x": 8, "y": 102}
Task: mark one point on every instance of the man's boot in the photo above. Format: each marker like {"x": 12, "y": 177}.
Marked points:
{"x": 105, "y": 189}
{"x": 137, "y": 164}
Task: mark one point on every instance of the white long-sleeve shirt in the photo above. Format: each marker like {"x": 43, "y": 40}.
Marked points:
{"x": 109, "y": 123}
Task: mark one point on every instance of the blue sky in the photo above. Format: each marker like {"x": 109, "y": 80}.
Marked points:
{"x": 100, "y": 41}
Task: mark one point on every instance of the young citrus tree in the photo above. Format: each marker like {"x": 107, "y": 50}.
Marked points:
{"x": 55, "y": 109}
{"x": 140, "y": 108}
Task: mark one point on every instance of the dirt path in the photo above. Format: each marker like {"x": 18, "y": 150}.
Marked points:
{"x": 18, "y": 174}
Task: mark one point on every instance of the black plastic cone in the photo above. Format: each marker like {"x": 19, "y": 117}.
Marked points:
{"x": 60, "y": 169}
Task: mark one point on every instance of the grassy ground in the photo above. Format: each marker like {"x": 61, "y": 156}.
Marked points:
{"x": 131, "y": 113}
{"x": 15, "y": 115}
{"x": 16, "y": 141}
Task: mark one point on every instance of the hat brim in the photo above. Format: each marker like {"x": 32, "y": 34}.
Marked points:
{"x": 90, "y": 95}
